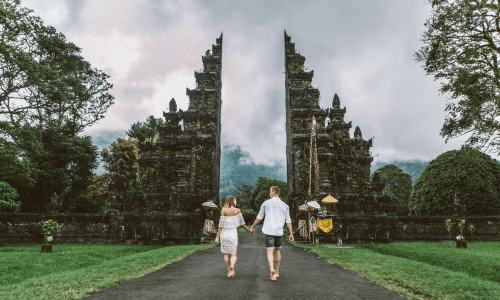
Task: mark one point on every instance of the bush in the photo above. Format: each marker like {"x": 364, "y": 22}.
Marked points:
{"x": 472, "y": 175}
{"x": 8, "y": 196}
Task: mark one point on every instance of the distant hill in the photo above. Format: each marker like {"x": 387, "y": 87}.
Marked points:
{"x": 235, "y": 172}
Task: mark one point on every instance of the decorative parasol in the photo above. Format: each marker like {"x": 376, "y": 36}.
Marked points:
{"x": 209, "y": 205}
{"x": 329, "y": 199}
{"x": 314, "y": 204}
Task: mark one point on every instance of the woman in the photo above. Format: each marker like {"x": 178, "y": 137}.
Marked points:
{"x": 230, "y": 219}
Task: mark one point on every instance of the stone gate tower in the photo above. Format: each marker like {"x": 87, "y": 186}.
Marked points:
{"x": 180, "y": 165}
{"x": 343, "y": 162}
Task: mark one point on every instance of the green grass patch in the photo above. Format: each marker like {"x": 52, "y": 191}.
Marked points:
{"x": 481, "y": 260}
{"x": 410, "y": 278}
{"x": 73, "y": 271}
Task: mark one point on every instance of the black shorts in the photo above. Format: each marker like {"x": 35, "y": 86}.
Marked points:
{"x": 273, "y": 242}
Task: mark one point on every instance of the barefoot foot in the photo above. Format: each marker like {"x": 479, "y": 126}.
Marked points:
{"x": 273, "y": 275}
{"x": 276, "y": 274}
{"x": 231, "y": 272}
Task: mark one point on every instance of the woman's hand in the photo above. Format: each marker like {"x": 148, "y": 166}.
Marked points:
{"x": 216, "y": 240}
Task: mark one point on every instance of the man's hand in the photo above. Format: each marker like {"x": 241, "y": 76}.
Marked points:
{"x": 291, "y": 239}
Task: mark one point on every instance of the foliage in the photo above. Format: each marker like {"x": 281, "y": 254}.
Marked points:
{"x": 411, "y": 167}
{"x": 8, "y": 196}
{"x": 398, "y": 185}
{"x": 141, "y": 130}
{"x": 244, "y": 195}
{"x": 462, "y": 42}
{"x": 99, "y": 193}
{"x": 472, "y": 175}
{"x": 261, "y": 192}
{"x": 121, "y": 164}
{"x": 61, "y": 163}
{"x": 43, "y": 78}
{"x": 15, "y": 168}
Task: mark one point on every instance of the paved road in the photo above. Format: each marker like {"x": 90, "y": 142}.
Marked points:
{"x": 202, "y": 275}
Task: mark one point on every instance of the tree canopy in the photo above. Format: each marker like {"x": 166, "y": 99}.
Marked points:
{"x": 470, "y": 174}
{"x": 48, "y": 94}
{"x": 43, "y": 77}
{"x": 398, "y": 184}
{"x": 462, "y": 46}
{"x": 141, "y": 130}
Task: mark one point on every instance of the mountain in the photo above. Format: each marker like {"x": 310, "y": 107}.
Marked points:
{"x": 235, "y": 171}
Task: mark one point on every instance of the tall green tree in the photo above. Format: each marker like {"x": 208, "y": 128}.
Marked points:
{"x": 244, "y": 195}
{"x": 64, "y": 165}
{"x": 398, "y": 184}
{"x": 462, "y": 46}
{"x": 141, "y": 130}
{"x": 43, "y": 77}
{"x": 121, "y": 164}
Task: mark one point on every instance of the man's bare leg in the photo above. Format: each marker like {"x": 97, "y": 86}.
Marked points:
{"x": 233, "y": 262}
{"x": 277, "y": 260}
{"x": 226, "y": 262}
{"x": 270, "y": 260}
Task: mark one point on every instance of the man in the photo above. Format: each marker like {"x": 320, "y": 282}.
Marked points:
{"x": 277, "y": 214}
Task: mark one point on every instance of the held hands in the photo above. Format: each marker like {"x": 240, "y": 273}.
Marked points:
{"x": 251, "y": 231}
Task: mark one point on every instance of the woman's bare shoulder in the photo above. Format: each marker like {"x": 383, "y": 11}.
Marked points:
{"x": 223, "y": 212}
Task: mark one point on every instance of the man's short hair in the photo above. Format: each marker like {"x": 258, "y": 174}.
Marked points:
{"x": 276, "y": 190}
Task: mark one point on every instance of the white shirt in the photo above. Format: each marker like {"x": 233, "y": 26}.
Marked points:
{"x": 277, "y": 214}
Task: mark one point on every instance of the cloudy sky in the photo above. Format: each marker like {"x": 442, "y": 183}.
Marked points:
{"x": 361, "y": 50}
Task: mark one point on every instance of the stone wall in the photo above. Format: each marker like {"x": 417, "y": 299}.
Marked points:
{"x": 127, "y": 228}
{"x": 175, "y": 229}
{"x": 381, "y": 228}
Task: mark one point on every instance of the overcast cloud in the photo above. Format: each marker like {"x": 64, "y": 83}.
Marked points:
{"x": 361, "y": 50}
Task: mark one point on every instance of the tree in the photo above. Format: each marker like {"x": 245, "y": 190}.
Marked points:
{"x": 471, "y": 175}
{"x": 261, "y": 191}
{"x": 8, "y": 196}
{"x": 141, "y": 130}
{"x": 43, "y": 78}
{"x": 121, "y": 164}
{"x": 244, "y": 195}
{"x": 398, "y": 184}
{"x": 463, "y": 44}
{"x": 63, "y": 165}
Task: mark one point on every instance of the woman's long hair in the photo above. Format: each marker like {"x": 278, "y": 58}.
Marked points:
{"x": 230, "y": 202}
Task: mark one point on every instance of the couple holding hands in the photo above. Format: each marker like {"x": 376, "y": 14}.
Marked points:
{"x": 277, "y": 214}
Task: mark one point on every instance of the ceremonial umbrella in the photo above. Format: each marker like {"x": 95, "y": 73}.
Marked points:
{"x": 209, "y": 205}
{"x": 330, "y": 201}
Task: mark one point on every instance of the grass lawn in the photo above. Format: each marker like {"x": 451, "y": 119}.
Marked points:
{"x": 73, "y": 271}
{"x": 424, "y": 270}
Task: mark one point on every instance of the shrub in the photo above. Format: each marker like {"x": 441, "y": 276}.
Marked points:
{"x": 472, "y": 175}
{"x": 8, "y": 196}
